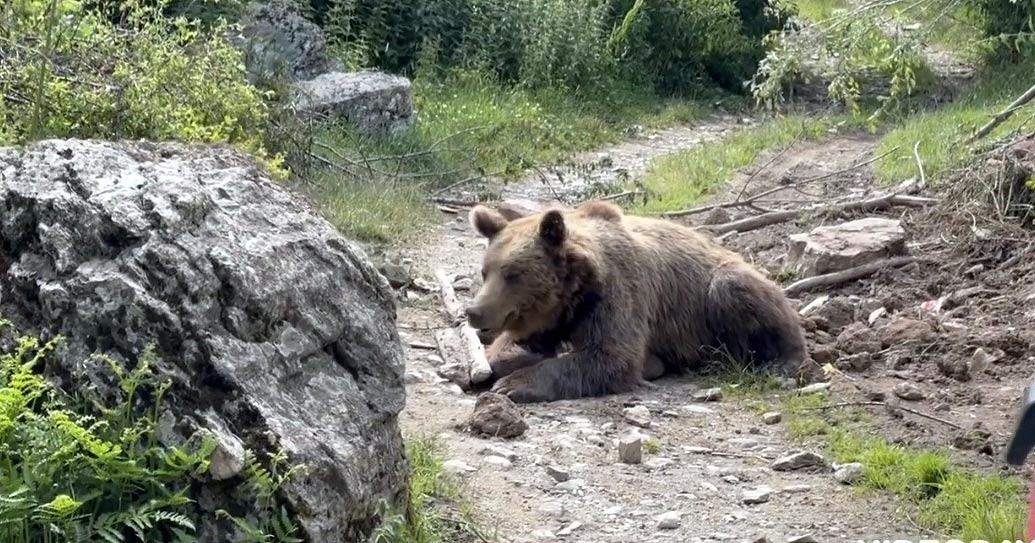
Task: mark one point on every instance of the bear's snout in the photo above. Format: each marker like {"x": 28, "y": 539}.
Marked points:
{"x": 474, "y": 316}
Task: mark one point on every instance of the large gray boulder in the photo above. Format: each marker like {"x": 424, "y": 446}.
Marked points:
{"x": 276, "y": 332}
{"x": 374, "y": 102}
{"x": 279, "y": 42}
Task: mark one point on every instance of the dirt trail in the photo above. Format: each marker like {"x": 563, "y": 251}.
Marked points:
{"x": 711, "y": 456}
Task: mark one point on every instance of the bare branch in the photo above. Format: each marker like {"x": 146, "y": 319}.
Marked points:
{"x": 844, "y": 276}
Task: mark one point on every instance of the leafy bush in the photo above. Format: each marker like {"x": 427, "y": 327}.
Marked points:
{"x": 69, "y": 71}
{"x": 76, "y": 470}
{"x": 674, "y": 46}
{"x": 1009, "y": 26}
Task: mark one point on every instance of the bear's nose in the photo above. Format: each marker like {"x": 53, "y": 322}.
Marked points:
{"x": 474, "y": 313}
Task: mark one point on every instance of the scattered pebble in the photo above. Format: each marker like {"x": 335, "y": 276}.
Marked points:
{"x": 670, "y": 520}
{"x": 709, "y": 486}
{"x": 796, "y": 489}
{"x": 659, "y": 463}
{"x": 772, "y": 417}
{"x": 848, "y": 473}
{"x": 463, "y": 284}
{"x": 575, "y": 525}
{"x": 798, "y": 460}
{"x": 558, "y": 473}
{"x": 457, "y": 467}
{"x": 571, "y": 485}
{"x": 807, "y": 538}
{"x": 497, "y": 461}
{"x": 637, "y": 416}
{"x": 630, "y": 449}
{"x": 757, "y": 495}
{"x": 543, "y": 534}
{"x": 553, "y": 508}
{"x": 496, "y": 450}
{"x": 708, "y": 395}
{"x": 908, "y": 391}
{"x": 698, "y": 410}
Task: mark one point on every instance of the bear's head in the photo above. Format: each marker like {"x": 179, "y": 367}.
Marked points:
{"x": 536, "y": 268}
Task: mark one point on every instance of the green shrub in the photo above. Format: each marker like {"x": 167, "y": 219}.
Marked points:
{"x": 67, "y": 71}
{"x": 1008, "y": 24}
{"x": 77, "y": 470}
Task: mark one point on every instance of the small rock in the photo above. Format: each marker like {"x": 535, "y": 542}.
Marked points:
{"x": 698, "y": 409}
{"x": 659, "y": 463}
{"x": 457, "y": 467}
{"x": 670, "y": 520}
{"x": 571, "y": 486}
{"x": 709, "y": 486}
{"x": 637, "y": 416}
{"x": 757, "y": 495}
{"x": 503, "y": 452}
{"x": 744, "y": 443}
{"x": 798, "y": 460}
{"x": 497, "y": 415}
{"x": 903, "y": 330}
{"x": 772, "y": 417}
{"x": 848, "y": 473}
{"x": 412, "y": 377}
{"x": 708, "y": 395}
{"x": 875, "y": 315}
{"x": 463, "y": 284}
{"x": 908, "y": 391}
{"x": 797, "y": 489}
{"x": 669, "y": 414}
{"x": 975, "y": 439}
{"x": 824, "y": 354}
{"x": 543, "y": 534}
{"x": 807, "y": 538}
{"x": 630, "y": 449}
{"x": 717, "y": 216}
{"x": 858, "y": 338}
{"x": 575, "y": 525}
{"x": 558, "y": 473}
{"x": 457, "y": 374}
{"x": 835, "y": 314}
{"x": 497, "y": 461}
{"x": 553, "y": 508}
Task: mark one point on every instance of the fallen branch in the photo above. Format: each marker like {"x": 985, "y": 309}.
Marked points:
{"x": 885, "y": 405}
{"x": 776, "y": 217}
{"x": 844, "y": 276}
{"x": 620, "y": 195}
{"x": 479, "y": 366}
{"x": 754, "y": 199}
{"x": 1003, "y": 115}
{"x": 919, "y": 163}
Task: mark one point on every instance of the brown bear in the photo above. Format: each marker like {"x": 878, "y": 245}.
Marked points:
{"x": 631, "y": 298}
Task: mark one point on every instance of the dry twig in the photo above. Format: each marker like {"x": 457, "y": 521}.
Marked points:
{"x": 844, "y": 276}
{"x": 1003, "y": 115}
{"x": 885, "y": 405}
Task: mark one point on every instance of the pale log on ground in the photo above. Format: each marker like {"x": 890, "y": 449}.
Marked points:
{"x": 480, "y": 370}
{"x": 844, "y": 276}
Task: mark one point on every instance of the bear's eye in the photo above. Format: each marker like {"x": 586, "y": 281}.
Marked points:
{"x": 484, "y": 274}
{"x": 512, "y": 277}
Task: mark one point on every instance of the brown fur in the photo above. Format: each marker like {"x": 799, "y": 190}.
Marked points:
{"x": 631, "y": 296}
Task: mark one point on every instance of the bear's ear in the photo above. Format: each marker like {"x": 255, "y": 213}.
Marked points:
{"x": 486, "y": 221}
{"x": 552, "y": 229}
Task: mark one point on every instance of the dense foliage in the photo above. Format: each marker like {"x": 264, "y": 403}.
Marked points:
{"x": 675, "y": 46}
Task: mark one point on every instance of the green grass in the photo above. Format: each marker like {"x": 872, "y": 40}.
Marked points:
{"x": 941, "y": 132}
{"x": 431, "y": 495}
{"x": 682, "y": 179}
{"x": 819, "y": 10}
{"x": 468, "y": 126}
{"x": 951, "y": 501}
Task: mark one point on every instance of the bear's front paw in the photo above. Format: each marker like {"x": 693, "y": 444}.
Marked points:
{"x": 522, "y": 387}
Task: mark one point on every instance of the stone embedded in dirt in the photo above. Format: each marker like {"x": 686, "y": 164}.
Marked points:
{"x": 956, "y": 368}
{"x": 697, "y": 409}
{"x": 875, "y": 315}
{"x": 553, "y": 508}
{"x": 458, "y": 374}
{"x": 757, "y": 495}
{"x": 717, "y": 216}
{"x": 558, "y": 473}
{"x": 855, "y": 362}
{"x": 976, "y": 438}
{"x": 813, "y": 305}
{"x": 497, "y": 461}
{"x": 903, "y": 330}
{"x": 744, "y": 443}
{"x": 848, "y": 473}
{"x": 982, "y": 359}
{"x": 567, "y": 530}
{"x": 637, "y": 416}
{"x": 807, "y": 538}
{"x": 412, "y": 377}
{"x": 708, "y": 395}
{"x": 908, "y": 391}
{"x": 834, "y": 248}
{"x": 398, "y": 276}
{"x": 670, "y": 414}
{"x": 835, "y": 314}
{"x": 798, "y": 460}
{"x": 823, "y": 354}
{"x": 709, "y": 486}
{"x": 630, "y": 448}
{"x": 543, "y": 535}
{"x": 772, "y": 417}
{"x": 571, "y": 486}
{"x": 796, "y": 489}
{"x": 374, "y": 102}
{"x": 498, "y": 416}
{"x": 670, "y": 520}
{"x": 463, "y": 284}
{"x": 659, "y": 463}
{"x": 457, "y": 467}
{"x": 858, "y": 338}
{"x": 496, "y": 450}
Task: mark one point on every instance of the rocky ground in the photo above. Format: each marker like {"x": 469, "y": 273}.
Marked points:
{"x": 947, "y": 337}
